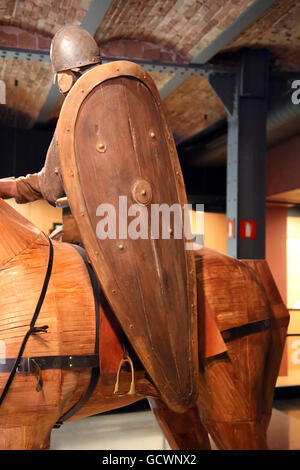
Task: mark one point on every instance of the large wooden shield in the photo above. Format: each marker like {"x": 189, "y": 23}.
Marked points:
{"x": 117, "y": 153}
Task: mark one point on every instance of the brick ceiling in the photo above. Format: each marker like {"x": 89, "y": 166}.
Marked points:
{"x": 187, "y": 118}
{"x": 158, "y": 30}
{"x": 184, "y": 25}
{"x": 27, "y": 86}
{"x": 42, "y": 16}
{"x": 277, "y": 30}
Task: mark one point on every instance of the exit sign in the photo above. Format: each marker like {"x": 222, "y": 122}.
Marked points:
{"x": 248, "y": 229}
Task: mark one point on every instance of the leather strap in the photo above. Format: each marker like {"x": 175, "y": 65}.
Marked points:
{"x": 32, "y": 329}
{"x": 28, "y": 365}
{"x": 96, "y": 370}
{"x": 245, "y": 330}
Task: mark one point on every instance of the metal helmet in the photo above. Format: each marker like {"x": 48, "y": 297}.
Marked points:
{"x": 73, "y": 47}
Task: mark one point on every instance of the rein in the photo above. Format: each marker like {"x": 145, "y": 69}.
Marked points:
{"x": 36, "y": 364}
{"x": 33, "y": 329}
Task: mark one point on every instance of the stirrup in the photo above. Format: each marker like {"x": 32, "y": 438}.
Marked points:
{"x": 132, "y": 386}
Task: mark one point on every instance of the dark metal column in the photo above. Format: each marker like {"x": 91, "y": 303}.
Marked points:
{"x": 246, "y": 158}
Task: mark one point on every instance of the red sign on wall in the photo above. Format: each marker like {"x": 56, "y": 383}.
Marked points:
{"x": 248, "y": 229}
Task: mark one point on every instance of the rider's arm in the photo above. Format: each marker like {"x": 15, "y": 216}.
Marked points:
{"x": 47, "y": 184}
{"x": 24, "y": 189}
{"x": 28, "y": 189}
{"x": 8, "y": 188}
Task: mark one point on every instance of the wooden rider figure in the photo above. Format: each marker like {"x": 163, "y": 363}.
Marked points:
{"x": 73, "y": 52}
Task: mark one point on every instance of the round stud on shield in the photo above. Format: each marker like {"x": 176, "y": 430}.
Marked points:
{"x": 101, "y": 147}
{"x": 142, "y": 192}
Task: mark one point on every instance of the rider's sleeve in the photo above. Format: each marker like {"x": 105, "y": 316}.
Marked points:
{"x": 28, "y": 188}
{"x": 47, "y": 184}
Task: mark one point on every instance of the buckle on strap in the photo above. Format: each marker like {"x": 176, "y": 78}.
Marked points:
{"x": 23, "y": 366}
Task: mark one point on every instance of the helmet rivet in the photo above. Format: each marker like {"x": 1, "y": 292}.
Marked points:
{"x": 152, "y": 135}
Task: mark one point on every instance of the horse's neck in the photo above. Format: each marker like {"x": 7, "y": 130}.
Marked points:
{"x": 16, "y": 233}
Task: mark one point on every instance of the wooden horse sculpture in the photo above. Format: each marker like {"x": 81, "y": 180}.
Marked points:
{"x": 57, "y": 375}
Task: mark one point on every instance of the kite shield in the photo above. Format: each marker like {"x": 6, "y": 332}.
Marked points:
{"x": 122, "y": 177}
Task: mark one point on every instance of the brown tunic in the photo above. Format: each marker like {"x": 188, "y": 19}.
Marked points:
{"x": 47, "y": 184}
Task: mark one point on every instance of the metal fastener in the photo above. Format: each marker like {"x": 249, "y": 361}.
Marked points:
{"x": 142, "y": 192}
{"x": 226, "y": 335}
{"x": 101, "y": 147}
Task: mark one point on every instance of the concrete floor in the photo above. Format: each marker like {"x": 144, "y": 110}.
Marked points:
{"x": 117, "y": 431}
{"x": 138, "y": 430}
